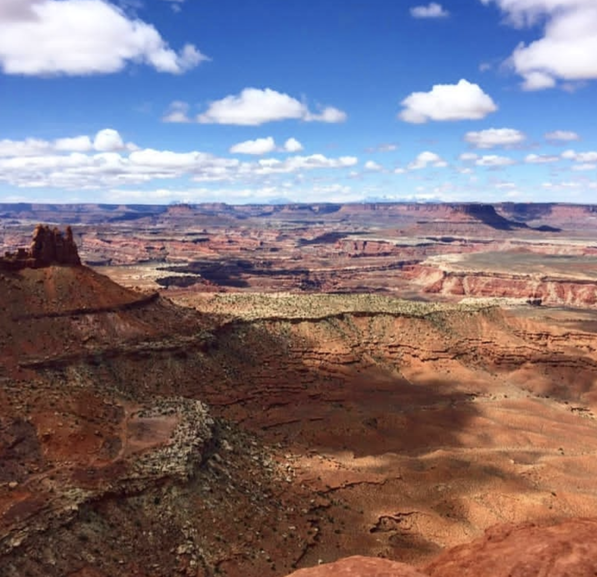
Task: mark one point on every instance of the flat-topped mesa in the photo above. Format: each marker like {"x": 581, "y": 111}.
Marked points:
{"x": 49, "y": 247}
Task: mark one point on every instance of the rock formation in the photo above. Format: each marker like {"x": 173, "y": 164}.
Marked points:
{"x": 566, "y": 549}
{"x": 338, "y": 424}
{"x": 48, "y": 247}
{"x": 359, "y": 566}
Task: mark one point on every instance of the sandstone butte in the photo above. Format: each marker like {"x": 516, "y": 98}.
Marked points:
{"x": 112, "y": 465}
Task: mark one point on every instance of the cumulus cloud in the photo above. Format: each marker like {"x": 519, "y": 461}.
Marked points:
{"x": 373, "y": 166}
{"x": 537, "y": 81}
{"x": 432, "y": 10}
{"x": 565, "y": 52}
{"x": 296, "y": 163}
{"x": 561, "y": 136}
{"x": 178, "y": 112}
{"x": 540, "y": 159}
{"x": 427, "y": 159}
{"x": 261, "y": 146}
{"x": 468, "y": 156}
{"x": 28, "y": 147}
{"x": 585, "y": 166}
{"x": 571, "y": 184}
{"x": 493, "y": 160}
{"x": 82, "y": 37}
{"x": 462, "y": 101}
{"x": 74, "y": 144}
{"x": 105, "y": 140}
{"x": 293, "y": 145}
{"x": 327, "y": 114}
{"x": 108, "y": 140}
{"x": 257, "y": 146}
{"x": 493, "y": 137}
{"x": 590, "y": 156}
{"x": 254, "y": 106}
{"x": 85, "y": 163}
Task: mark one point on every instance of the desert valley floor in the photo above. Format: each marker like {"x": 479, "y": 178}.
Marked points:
{"x": 256, "y": 390}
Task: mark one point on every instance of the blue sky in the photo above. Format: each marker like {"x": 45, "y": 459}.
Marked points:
{"x": 299, "y": 100}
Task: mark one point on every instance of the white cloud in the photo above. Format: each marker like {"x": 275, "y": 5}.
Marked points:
{"x": 293, "y": 145}
{"x": 462, "y": 101}
{"x": 567, "y": 49}
{"x": 178, "y": 112}
{"x": 82, "y": 37}
{"x": 107, "y": 161}
{"x": 573, "y": 184}
{"x": 468, "y": 156}
{"x": 257, "y": 146}
{"x": 261, "y": 146}
{"x": 108, "y": 140}
{"x": 540, "y": 159}
{"x": 384, "y": 147}
{"x": 537, "y": 81}
{"x": 427, "y": 159}
{"x": 493, "y": 160}
{"x": 75, "y": 144}
{"x": 373, "y": 166}
{"x": 562, "y": 135}
{"x": 253, "y": 107}
{"x": 493, "y": 137}
{"x": 296, "y": 163}
{"x": 327, "y": 114}
{"x": 505, "y": 185}
{"x": 176, "y": 5}
{"x": 433, "y": 10}
{"x": 28, "y": 147}
{"x": 585, "y": 160}
{"x": 590, "y": 156}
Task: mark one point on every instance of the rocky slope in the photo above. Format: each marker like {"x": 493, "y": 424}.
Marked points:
{"x": 252, "y": 434}
{"x": 104, "y": 469}
{"x": 423, "y": 424}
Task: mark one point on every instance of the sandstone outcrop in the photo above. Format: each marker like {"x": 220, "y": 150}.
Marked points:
{"x": 48, "y": 247}
{"x": 537, "y": 288}
{"x": 359, "y": 566}
{"x": 568, "y": 549}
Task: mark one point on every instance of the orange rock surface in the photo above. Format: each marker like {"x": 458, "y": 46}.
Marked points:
{"x": 358, "y": 566}
{"x": 251, "y": 434}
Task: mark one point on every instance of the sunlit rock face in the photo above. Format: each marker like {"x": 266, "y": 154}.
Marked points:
{"x": 359, "y": 566}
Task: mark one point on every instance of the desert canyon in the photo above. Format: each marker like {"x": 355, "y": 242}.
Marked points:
{"x": 307, "y": 390}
